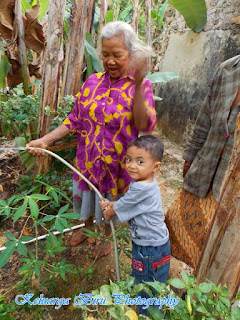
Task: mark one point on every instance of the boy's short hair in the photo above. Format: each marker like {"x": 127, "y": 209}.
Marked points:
{"x": 151, "y": 144}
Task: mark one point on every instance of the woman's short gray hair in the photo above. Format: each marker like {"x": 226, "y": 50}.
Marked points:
{"x": 134, "y": 45}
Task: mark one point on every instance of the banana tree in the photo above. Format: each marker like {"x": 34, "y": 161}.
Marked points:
{"x": 79, "y": 24}
{"x": 22, "y": 47}
{"x": 51, "y": 72}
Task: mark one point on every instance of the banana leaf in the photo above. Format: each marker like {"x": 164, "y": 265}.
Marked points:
{"x": 193, "y": 11}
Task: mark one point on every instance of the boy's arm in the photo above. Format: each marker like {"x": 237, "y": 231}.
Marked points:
{"x": 128, "y": 206}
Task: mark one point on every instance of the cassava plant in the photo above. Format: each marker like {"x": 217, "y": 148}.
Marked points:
{"x": 36, "y": 212}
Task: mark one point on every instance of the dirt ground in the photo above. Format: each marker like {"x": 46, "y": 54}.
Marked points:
{"x": 170, "y": 180}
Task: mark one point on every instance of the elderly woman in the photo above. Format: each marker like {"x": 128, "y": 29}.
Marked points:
{"x": 111, "y": 109}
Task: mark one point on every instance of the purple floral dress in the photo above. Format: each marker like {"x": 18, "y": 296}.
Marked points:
{"x": 102, "y": 121}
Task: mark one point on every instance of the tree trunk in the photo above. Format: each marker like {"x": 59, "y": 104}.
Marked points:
{"x": 220, "y": 262}
{"x": 51, "y": 69}
{"x": 91, "y": 15}
{"x": 78, "y": 26}
{"x": 103, "y": 10}
{"x": 148, "y": 17}
{"x": 22, "y": 46}
{"x": 148, "y": 28}
{"x": 135, "y": 16}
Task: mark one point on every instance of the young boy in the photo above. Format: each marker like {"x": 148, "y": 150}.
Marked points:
{"x": 142, "y": 207}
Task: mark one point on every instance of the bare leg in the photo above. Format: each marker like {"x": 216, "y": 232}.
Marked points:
{"x": 78, "y": 237}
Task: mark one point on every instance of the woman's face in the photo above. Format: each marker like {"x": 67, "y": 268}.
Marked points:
{"x": 115, "y": 57}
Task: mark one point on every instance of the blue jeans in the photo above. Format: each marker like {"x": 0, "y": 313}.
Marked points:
{"x": 150, "y": 264}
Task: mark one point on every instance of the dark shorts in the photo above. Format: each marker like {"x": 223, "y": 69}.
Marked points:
{"x": 150, "y": 263}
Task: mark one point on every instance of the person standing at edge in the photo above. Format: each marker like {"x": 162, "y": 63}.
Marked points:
{"x": 209, "y": 147}
{"x": 207, "y": 154}
{"x": 111, "y": 109}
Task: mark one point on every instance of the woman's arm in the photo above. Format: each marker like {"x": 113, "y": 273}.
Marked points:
{"x": 140, "y": 115}
{"x": 48, "y": 139}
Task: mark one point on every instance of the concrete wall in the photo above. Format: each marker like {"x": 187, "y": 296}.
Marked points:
{"x": 195, "y": 56}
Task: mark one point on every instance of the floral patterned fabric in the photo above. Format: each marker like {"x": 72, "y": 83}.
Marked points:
{"x": 102, "y": 121}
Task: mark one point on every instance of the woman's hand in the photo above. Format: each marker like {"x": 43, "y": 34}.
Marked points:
{"x": 38, "y": 143}
{"x": 140, "y": 70}
{"x": 139, "y": 65}
{"x": 48, "y": 140}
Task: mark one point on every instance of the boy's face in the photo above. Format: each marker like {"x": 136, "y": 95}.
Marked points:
{"x": 140, "y": 165}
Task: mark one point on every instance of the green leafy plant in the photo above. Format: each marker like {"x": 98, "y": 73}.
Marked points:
{"x": 4, "y": 314}
{"x": 19, "y": 115}
{"x": 123, "y": 239}
{"x": 65, "y": 107}
{"x": 202, "y": 301}
{"x": 4, "y": 67}
{"x": 157, "y": 15}
{"x": 157, "y": 77}
{"x": 96, "y": 63}
{"x": 33, "y": 209}
{"x": 62, "y": 184}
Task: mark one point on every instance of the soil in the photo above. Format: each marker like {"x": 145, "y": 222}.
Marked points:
{"x": 10, "y": 170}
{"x": 170, "y": 180}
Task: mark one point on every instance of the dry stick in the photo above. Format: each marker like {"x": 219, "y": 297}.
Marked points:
{"x": 79, "y": 226}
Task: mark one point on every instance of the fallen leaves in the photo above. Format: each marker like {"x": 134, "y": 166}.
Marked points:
{"x": 34, "y": 40}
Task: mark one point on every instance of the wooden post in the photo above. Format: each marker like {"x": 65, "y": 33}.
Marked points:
{"x": 220, "y": 262}
{"x": 53, "y": 57}
{"x": 80, "y": 14}
{"x": 22, "y": 47}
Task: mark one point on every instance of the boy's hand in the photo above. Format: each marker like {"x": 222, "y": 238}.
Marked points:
{"x": 107, "y": 208}
{"x": 109, "y": 214}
